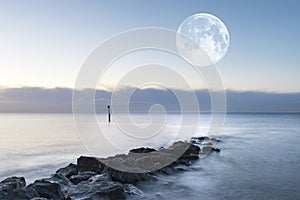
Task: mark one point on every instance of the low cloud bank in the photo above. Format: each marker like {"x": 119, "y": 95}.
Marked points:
{"x": 59, "y": 100}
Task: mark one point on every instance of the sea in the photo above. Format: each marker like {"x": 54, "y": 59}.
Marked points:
{"x": 259, "y": 158}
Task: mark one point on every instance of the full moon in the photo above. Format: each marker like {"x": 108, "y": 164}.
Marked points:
{"x": 203, "y": 39}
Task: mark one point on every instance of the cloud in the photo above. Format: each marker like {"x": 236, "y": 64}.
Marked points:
{"x": 59, "y": 100}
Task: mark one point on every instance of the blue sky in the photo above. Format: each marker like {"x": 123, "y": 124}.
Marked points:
{"x": 44, "y": 43}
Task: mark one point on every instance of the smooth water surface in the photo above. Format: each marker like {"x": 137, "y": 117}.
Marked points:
{"x": 260, "y": 157}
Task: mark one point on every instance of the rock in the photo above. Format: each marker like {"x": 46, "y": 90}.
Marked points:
{"x": 142, "y": 150}
{"x": 180, "y": 169}
{"x": 185, "y": 153}
{"x": 22, "y": 194}
{"x": 168, "y": 170}
{"x": 157, "y": 165}
{"x": 109, "y": 178}
{"x": 129, "y": 165}
{"x": 68, "y": 171}
{"x": 189, "y": 157}
{"x": 59, "y": 179}
{"x": 13, "y": 188}
{"x": 216, "y": 149}
{"x": 147, "y": 163}
{"x": 12, "y": 183}
{"x": 132, "y": 190}
{"x": 125, "y": 177}
{"x": 200, "y": 139}
{"x": 47, "y": 189}
{"x": 98, "y": 187}
{"x": 208, "y": 149}
{"x": 83, "y": 176}
{"x": 183, "y": 148}
{"x": 215, "y": 140}
{"x": 114, "y": 194}
{"x": 204, "y": 139}
{"x": 156, "y": 160}
{"x": 90, "y": 164}
{"x": 184, "y": 162}
{"x": 139, "y": 163}
{"x": 193, "y": 149}
{"x": 114, "y": 162}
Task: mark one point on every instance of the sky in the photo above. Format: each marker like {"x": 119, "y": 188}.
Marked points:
{"x": 45, "y": 43}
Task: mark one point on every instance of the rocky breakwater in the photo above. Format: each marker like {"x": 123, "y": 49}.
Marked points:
{"x": 114, "y": 177}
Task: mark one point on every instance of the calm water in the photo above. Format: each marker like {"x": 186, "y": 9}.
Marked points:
{"x": 260, "y": 156}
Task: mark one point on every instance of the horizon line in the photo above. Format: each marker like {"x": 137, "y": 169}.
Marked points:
{"x": 170, "y": 113}
{"x": 150, "y": 88}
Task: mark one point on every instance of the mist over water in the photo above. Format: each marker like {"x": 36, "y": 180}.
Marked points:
{"x": 259, "y": 156}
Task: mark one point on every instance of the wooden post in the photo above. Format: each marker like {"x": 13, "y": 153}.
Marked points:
{"x": 108, "y": 110}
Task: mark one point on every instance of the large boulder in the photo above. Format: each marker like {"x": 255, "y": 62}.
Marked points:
{"x": 47, "y": 189}
{"x": 12, "y": 183}
{"x": 139, "y": 162}
{"x": 90, "y": 164}
{"x": 13, "y": 188}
